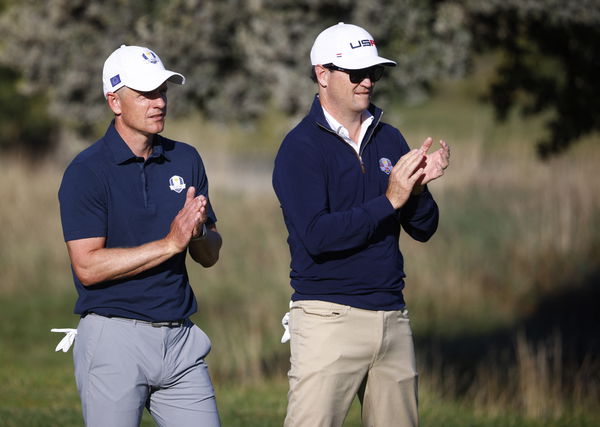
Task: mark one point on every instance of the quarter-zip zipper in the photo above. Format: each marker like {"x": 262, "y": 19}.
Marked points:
{"x": 368, "y": 136}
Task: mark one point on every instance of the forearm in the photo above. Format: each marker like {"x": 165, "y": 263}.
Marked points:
{"x": 205, "y": 251}
{"x": 339, "y": 231}
{"x": 105, "y": 264}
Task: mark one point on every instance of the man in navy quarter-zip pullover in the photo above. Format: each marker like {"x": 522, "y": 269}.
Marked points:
{"x": 347, "y": 184}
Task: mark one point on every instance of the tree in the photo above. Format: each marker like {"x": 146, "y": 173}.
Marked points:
{"x": 239, "y": 57}
{"x": 550, "y": 62}
{"x": 25, "y": 126}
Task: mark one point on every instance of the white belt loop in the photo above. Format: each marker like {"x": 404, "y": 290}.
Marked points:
{"x": 67, "y": 341}
{"x": 285, "y": 323}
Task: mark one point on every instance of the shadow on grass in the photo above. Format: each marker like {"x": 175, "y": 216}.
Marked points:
{"x": 565, "y": 324}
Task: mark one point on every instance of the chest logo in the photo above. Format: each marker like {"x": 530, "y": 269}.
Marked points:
{"x": 177, "y": 184}
{"x": 385, "y": 165}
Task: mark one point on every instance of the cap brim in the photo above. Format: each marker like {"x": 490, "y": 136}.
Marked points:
{"x": 151, "y": 82}
{"x": 361, "y": 63}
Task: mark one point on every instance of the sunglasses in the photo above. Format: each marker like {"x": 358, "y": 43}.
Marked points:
{"x": 357, "y": 76}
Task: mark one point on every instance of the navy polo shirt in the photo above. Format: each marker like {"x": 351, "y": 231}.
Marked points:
{"x": 107, "y": 191}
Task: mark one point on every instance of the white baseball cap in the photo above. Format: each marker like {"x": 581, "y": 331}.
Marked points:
{"x": 346, "y": 46}
{"x": 137, "y": 68}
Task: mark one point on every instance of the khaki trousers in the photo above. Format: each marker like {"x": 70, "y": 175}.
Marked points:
{"x": 338, "y": 352}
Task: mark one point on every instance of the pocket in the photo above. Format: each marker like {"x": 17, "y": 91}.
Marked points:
{"x": 307, "y": 316}
{"x": 89, "y": 335}
{"x": 403, "y": 321}
{"x": 202, "y": 340}
{"x": 322, "y": 312}
{"x": 320, "y": 309}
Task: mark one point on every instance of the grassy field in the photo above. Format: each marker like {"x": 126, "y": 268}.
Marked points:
{"x": 502, "y": 300}
{"x": 38, "y": 387}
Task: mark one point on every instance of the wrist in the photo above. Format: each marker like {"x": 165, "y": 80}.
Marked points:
{"x": 171, "y": 247}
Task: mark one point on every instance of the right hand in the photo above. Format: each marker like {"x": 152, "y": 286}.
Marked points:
{"x": 404, "y": 176}
{"x": 187, "y": 220}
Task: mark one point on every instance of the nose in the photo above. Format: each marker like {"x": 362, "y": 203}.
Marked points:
{"x": 159, "y": 100}
{"x": 367, "y": 82}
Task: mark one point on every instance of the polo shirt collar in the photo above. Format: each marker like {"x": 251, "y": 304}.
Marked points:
{"x": 121, "y": 152}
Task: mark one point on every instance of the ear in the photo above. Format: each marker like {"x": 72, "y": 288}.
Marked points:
{"x": 114, "y": 102}
{"x": 322, "y": 74}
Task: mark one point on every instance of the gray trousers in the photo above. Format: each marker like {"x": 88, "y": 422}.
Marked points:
{"x": 122, "y": 366}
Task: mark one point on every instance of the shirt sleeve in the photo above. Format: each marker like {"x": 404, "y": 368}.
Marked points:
{"x": 83, "y": 204}
{"x": 419, "y": 216}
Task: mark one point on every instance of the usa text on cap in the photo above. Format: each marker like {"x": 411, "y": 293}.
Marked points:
{"x": 347, "y": 46}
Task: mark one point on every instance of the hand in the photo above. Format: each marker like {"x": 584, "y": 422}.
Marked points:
{"x": 188, "y": 221}
{"x": 405, "y": 174}
{"x": 435, "y": 163}
{"x": 198, "y": 229}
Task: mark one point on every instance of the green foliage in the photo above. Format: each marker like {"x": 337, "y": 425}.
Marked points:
{"x": 59, "y": 47}
{"x": 549, "y": 62}
{"x": 24, "y": 124}
{"x": 239, "y": 57}
{"x": 242, "y": 58}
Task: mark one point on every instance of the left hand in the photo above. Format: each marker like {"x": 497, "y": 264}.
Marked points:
{"x": 201, "y": 219}
{"x": 435, "y": 163}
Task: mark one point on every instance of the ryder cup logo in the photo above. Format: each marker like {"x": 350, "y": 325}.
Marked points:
{"x": 176, "y": 184}
{"x": 150, "y": 57}
{"x": 385, "y": 165}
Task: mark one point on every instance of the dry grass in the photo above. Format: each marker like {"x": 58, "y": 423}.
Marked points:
{"x": 32, "y": 253}
{"x": 514, "y": 231}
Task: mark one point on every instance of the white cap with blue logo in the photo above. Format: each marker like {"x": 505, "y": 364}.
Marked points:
{"x": 137, "y": 68}
{"x": 346, "y": 46}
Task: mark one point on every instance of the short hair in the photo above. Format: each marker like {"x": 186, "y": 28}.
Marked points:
{"x": 313, "y": 74}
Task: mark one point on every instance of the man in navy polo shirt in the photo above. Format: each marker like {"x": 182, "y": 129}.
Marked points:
{"x": 347, "y": 184}
{"x": 132, "y": 205}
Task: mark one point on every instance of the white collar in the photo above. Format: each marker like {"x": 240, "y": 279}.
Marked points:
{"x": 366, "y": 120}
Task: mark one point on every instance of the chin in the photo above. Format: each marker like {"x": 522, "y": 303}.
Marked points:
{"x": 362, "y": 105}
{"x": 156, "y": 127}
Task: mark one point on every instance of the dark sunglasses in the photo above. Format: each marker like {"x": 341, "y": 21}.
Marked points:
{"x": 357, "y": 76}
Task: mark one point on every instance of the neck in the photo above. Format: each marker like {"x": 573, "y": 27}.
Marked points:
{"x": 139, "y": 143}
{"x": 350, "y": 119}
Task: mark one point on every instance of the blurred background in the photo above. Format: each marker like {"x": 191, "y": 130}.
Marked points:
{"x": 503, "y": 299}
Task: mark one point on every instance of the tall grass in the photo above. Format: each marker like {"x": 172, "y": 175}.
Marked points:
{"x": 515, "y": 233}
{"x": 32, "y": 252}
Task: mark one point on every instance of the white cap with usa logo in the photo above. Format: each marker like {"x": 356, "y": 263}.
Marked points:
{"x": 137, "y": 68}
{"x": 346, "y": 46}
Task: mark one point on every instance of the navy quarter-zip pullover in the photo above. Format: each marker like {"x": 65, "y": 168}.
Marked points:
{"x": 343, "y": 231}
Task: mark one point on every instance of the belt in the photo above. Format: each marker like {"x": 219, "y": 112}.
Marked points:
{"x": 165, "y": 324}
{"x": 169, "y": 324}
